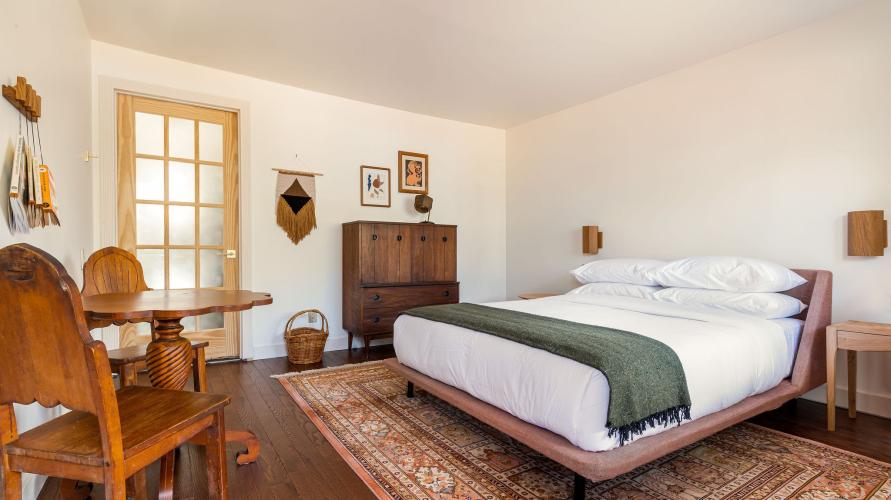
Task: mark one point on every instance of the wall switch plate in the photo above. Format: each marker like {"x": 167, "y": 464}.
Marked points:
{"x": 313, "y": 317}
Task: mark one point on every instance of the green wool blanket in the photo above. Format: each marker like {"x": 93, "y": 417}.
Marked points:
{"x": 647, "y": 383}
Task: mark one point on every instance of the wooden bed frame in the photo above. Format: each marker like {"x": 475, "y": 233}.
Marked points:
{"x": 809, "y": 372}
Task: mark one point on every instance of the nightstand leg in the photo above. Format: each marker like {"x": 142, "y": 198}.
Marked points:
{"x": 852, "y": 384}
{"x": 831, "y": 348}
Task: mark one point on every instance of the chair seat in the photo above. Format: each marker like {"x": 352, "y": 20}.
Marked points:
{"x": 136, "y": 353}
{"x": 147, "y": 416}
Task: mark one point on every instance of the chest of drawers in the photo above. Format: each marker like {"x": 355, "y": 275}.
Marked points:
{"x": 389, "y": 267}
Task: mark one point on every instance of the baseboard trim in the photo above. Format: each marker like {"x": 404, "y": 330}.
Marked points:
{"x": 32, "y": 485}
{"x": 867, "y": 402}
{"x": 335, "y": 343}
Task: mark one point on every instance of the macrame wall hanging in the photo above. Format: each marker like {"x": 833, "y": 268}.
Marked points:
{"x": 295, "y": 207}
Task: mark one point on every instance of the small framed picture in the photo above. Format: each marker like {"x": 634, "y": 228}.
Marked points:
{"x": 375, "y": 186}
{"x": 412, "y": 170}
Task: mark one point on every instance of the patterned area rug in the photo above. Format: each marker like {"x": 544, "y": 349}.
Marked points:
{"x": 424, "y": 448}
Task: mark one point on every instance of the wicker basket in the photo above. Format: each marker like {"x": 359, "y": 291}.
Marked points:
{"x": 305, "y": 344}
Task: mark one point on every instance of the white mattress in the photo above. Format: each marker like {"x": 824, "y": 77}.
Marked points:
{"x": 726, "y": 356}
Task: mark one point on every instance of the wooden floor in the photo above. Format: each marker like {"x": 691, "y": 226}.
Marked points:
{"x": 297, "y": 462}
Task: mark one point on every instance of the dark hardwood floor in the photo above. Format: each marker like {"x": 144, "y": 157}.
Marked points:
{"x": 296, "y": 461}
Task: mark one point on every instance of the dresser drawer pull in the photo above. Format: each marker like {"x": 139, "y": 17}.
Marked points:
{"x": 375, "y": 297}
{"x": 377, "y": 319}
{"x": 445, "y": 238}
{"x": 373, "y": 236}
{"x": 398, "y": 237}
{"x": 423, "y": 238}
{"x": 445, "y": 293}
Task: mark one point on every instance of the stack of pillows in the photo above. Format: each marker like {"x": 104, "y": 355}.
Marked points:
{"x": 747, "y": 286}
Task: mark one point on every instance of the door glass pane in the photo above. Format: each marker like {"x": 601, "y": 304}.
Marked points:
{"x": 211, "y": 184}
{"x": 188, "y": 324}
{"x": 211, "y": 226}
{"x": 182, "y": 181}
{"x": 152, "y": 261}
{"x": 182, "y": 225}
{"x": 149, "y": 134}
{"x": 210, "y": 141}
{"x": 149, "y": 224}
{"x": 211, "y": 321}
{"x": 211, "y": 268}
{"x": 149, "y": 179}
{"x": 182, "y": 138}
{"x": 182, "y": 268}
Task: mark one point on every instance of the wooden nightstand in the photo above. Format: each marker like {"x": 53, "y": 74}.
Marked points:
{"x": 852, "y": 336}
{"x": 536, "y": 295}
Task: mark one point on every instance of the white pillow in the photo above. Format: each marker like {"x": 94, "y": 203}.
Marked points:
{"x": 630, "y": 271}
{"x": 732, "y": 274}
{"x": 761, "y": 304}
{"x": 621, "y": 289}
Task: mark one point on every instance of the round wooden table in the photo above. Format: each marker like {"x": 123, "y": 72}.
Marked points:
{"x": 168, "y": 357}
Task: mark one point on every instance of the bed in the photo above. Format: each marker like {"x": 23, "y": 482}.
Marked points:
{"x": 768, "y": 372}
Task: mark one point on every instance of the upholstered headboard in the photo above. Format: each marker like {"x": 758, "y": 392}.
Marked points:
{"x": 810, "y": 363}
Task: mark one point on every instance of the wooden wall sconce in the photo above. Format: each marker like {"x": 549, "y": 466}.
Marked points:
{"x": 592, "y": 239}
{"x": 867, "y": 233}
{"x": 24, "y": 98}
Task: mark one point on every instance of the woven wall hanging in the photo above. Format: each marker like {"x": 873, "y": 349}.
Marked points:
{"x": 295, "y": 207}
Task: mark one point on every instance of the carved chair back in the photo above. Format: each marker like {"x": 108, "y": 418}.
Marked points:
{"x": 113, "y": 270}
{"x": 49, "y": 355}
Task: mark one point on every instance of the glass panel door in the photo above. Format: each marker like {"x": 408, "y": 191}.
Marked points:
{"x": 177, "y": 208}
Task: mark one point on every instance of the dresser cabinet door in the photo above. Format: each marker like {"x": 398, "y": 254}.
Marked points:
{"x": 445, "y": 253}
{"x": 398, "y": 257}
{"x": 422, "y": 268}
{"x": 372, "y": 246}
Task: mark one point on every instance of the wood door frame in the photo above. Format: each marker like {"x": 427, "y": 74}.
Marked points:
{"x": 104, "y": 169}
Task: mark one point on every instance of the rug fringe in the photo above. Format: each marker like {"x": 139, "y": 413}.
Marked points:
{"x": 327, "y": 369}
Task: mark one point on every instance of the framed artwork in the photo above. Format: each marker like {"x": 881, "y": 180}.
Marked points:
{"x": 374, "y": 186}
{"x": 412, "y": 171}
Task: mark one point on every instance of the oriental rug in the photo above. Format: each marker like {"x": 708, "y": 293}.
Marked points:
{"x": 424, "y": 448}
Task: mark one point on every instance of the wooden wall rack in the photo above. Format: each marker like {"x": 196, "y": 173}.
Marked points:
{"x": 24, "y": 98}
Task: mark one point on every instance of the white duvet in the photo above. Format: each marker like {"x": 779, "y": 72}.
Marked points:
{"x": 726, "y": 356}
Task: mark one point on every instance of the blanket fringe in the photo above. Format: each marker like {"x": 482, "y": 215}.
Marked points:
{"x": 627, "y": 432}
{"x": 296, "y": 225}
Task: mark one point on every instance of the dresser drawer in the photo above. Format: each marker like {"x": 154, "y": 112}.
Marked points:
{"x": 406, "y": 297}
{"x": 380, "y": 320}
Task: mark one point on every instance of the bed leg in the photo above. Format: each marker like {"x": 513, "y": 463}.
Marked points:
{"x": 578, "y": 489}
{"x": 410, "y": 390}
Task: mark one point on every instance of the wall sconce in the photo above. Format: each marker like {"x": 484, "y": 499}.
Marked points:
{"x": 592, "y": 239}
{"x": 867, "y": 233}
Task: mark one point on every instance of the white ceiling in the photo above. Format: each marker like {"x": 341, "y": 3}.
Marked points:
{"x": 492, "y": 62}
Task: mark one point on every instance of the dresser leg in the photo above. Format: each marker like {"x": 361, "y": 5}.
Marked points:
{"x": 410, "y": 390}
{"x": 350, "y": 341}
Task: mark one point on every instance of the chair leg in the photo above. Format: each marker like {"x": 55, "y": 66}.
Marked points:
{"x": 12, "y": 484}
{"x": 12, "y": 480}
{"x": 127, "y": 374}
{"x": 165, "y": 481}
{"x": 199, "y": 370}
{"x": 217, "y": 487}
{"x": 139, "y": 485}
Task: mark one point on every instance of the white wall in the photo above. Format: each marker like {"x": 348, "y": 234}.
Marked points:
{"x": 47, "y": 42}
{"x": 760, "y": 152}
{"x": 335, "y": 136}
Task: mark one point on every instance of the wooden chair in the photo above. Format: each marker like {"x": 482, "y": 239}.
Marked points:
{"x": 50, "y": 358}
{"x": 115, "y": 270}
